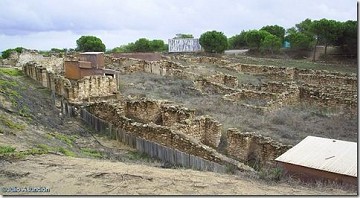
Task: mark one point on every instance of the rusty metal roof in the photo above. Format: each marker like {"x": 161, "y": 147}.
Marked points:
{"x": 324, "y": 154}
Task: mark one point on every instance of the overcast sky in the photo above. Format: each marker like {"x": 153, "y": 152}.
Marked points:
{"x": 46, "y": 24}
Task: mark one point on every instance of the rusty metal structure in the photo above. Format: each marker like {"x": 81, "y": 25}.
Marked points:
{"x": 88, "y": 64}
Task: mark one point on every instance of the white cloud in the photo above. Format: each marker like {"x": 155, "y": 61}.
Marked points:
{"x": 43, "y": 24}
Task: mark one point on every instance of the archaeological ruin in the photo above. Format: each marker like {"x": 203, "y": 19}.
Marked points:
{"x": 95, "y": 97}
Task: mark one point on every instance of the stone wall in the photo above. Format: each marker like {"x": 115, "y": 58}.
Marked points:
{"x": 206, "y": 86}
{"x": 171, "y": 114}
{"x": 160, "y": 134}
{"x": 252, "y": 148}
{"x": 143, "y": 56}
{"x": 178, "y": 118}
{"x": 87, "y": 88}
{"x": 340, "y": 98}
{"x": 322, "y": 80}
{"x": 200, "y": 59}
{"x": 270, "y": 95}
{"x": 225, "y": 79}
{"x": 52, "y": 63}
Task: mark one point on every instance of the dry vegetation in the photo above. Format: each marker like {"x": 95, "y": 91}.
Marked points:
{"x": 288, "y": 124}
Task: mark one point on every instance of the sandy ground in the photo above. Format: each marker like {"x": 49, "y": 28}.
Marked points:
{"x": 82, "y": 176}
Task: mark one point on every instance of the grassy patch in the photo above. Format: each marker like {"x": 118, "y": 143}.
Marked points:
{"x": 10, "y": 124}
{"x": 66, "y": 152}
{"x": 11, "y": 153}
{"x": 7, "y": 149}
{"x": 69, "y": 140}
{"x": 11, "y": 71}
{"x": 91, "y": 153}
{"x": 5, "y": 83}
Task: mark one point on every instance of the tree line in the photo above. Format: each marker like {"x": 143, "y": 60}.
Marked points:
{"x": 303, "y": 36}
{"x": 269, "y": 39}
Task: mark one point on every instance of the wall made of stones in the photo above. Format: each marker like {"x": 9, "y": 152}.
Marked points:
{"x": 160, "y": 134}
{"x": 74, "y": 91}
{"x": 52, "y": 63}
{"x": 145, "y": 111}
{"x": 204, "y": 129}
{"x": 328, "y": 80}
{"x": 171, "y": 114}
{"x": 335, "y": 99}
{"x": 225, "y": 79}
{"x": 253, "y": 148}
{"x": 211, "y": 87}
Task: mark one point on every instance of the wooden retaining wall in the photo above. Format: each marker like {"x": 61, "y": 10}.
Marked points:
{"x": 153, "y": 149}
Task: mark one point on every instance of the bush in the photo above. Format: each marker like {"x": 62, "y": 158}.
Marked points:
{"x": 238, "y": 41}
{"x": 254, "y": 38}
{"x": 6, "y": 54}
{"x": 271, "y": 43}
{"x": 90, "y": 44}
{"x": 214, "y": 42}
{"x": 142, "y": 45}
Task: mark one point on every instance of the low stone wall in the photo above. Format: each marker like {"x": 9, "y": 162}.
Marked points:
{"x": 249, "y": 94}
{"x": 252, "y": 148}
{"x": 308, "y": 76}
{"x": 344, "y": 99}
{"x": 200, "y": 59}
{"x": 171, "y": 114}
{"x": 52, "y": 63}
{"x": 160, "y": 134}
{"x": 333, "y": 80}
{"x": 142, "y": 56}
{"x": 87, "y": 88}
{"x": 270, "y": 95}
{"x": 203, "y": 129}
{"x": 206, "y": 86}
{"x": 225, "y": 79}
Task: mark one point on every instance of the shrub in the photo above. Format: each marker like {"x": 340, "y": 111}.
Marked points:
{"x": 254, "y": 38}
{"x": 214, "y": 42}
{"x": 90, "y": 43}
{"x": 271, "y": 43}
{"x": 7, "y": 149}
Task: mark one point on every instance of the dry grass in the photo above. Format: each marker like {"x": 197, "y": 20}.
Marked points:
{"x": 288, "y": 124}
{"x": 303, "y": 64}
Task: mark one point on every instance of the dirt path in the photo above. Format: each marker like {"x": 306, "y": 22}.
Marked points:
{"x": 69, "y": 176}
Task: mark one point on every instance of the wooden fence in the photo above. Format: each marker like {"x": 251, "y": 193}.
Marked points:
{"x": 153, "y": 149}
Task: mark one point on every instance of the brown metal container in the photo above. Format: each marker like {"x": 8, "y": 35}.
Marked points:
{"x": 96, "y": 59}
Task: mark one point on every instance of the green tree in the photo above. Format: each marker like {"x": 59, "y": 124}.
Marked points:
{"x": 142, "y": 45}
{"x": 275, "y": 30}
{"x": 213, "y": 41}
{"x": 56, "y": 50}
{"x": 180, "y": 36}
{"x": 347, "y": 39}
{"x": 301, "y": 37}
{"x": 326, "y": 31}
{"x": 299, "y": 40}
{"x": 157, "y": 46}
{"x": 6, "y": 53}
{"x": 238, "y": 41}
{"x": 271, "y": 43}
{"x": 255, "y": 37}
{"x": 304, "y": 27}
{"x": 90, "y": 44}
